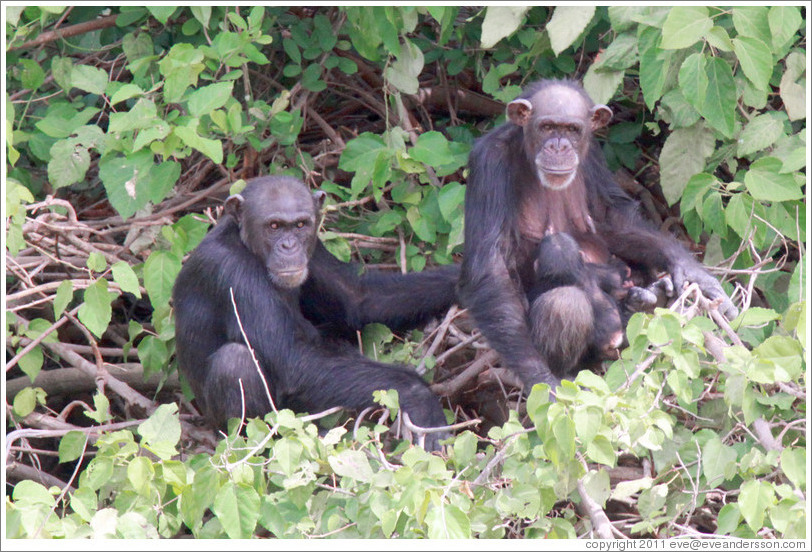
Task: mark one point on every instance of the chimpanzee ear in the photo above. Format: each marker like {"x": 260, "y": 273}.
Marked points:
{"x": 519, "y": 111}
{"x": 234, "y": 205}
{"x": 318, "y": 198}
{"x": 601, "y": 115}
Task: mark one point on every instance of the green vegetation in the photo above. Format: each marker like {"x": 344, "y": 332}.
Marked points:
{"x": 125, "y": 128}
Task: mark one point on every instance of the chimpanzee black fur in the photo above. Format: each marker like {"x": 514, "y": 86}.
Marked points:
{"x": 540, "y": 173}
{"x": 287, "y": 287}
{"x": 593, "y": 329}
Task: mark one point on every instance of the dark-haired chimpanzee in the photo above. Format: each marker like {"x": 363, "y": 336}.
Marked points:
{"x": 539, "y": 173}
{"x": 587, "y": 292}
{"x": 287, "y": 287}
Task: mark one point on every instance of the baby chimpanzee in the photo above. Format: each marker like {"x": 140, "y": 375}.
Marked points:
{"x": 593, "y": 329}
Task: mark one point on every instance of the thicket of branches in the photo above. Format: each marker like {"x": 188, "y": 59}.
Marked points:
{"x": 127, "y": 128}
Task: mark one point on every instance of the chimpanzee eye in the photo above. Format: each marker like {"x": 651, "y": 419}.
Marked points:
{"x": 300, "y": 224}
{"x": 274, "y": 226}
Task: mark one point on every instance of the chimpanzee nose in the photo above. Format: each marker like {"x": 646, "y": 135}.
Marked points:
{"x": 288, "y": 245}
{"x": 555, "y": 145}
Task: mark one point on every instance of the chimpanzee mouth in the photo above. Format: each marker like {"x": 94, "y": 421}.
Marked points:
{"x": 558, "y": 172}
{"x": 289, "y": 278}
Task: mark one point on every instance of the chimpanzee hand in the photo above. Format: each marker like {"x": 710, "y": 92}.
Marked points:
{"x": 691, "y": 271}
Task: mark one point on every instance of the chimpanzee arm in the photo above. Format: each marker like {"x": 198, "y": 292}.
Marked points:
{"x": 633, "y": 240}
{"x": 336, "y": 295}
{"x": 493, "y": 298}
{"x": 306, "y": 374}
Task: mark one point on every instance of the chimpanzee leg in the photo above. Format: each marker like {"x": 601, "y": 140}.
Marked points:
{"x": 349, "y": 381}
{"x": 562, "y": 325}
{"x": 221, "y": 397}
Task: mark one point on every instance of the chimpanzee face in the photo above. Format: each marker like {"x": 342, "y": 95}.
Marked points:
{"x": 278, "y": 218}
{"x": 558, "y": 122}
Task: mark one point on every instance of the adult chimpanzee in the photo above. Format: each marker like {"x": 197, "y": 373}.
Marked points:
{"x": 592, "y": 330}
{"x": 285, "y": 286}
{"x": 539, "y": 173}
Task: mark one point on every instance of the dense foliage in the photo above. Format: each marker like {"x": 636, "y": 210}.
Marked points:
{"x": 127, "y": 126}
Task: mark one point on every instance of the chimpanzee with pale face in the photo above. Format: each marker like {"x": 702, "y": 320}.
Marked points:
{"x": 293, "y": 297}
{"x": 542, "y": 173}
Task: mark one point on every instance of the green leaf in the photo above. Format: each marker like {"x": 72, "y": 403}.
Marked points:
{"x": 620, "y": 54}
{"x": 361, "y": 156}
{"x": 25, "y": 401}
{"x": 654, "y": 64}
{"x": 237, "y": 508}
{"x": 140, "y": 473}
{"x": 62, "y": 70}
{"x": 718, "y": 462}
{"x": 101, "y": 413}
{"x": 286, "y": 125}
{"x": 153, "y": 354}
{"x": 351, "y": 463}
{"x": 683, "y": 155}
{"x": 71, "y": 446}
{"x": 752, "y": 21}
{"x": 567, "y": 24}
{"x": 602, "y": 85}
{"x": 90, "y": 79}
{"x": 161, "y": 13}
{"x": 124, "y": 276}
{"x": 756, "y": 60}
{"x": 738, "y": 214}
{"x": 684, "y": 26}
{"x": 32, "y": 76}
{"x": 403, "y": 72}
{"x": 213, "y": 149}
{"x": 181, "y": 67}
{"x": 450, "y": 198}
{"x": 96, "y": 261}
{"x": 588, "y": 421}
{"x": 446, "y": 521}
{"x": 208, "y": 98}
{"x": 162, "y": 179}
{"x": 431, "y": 149}
{"x": 68, "y": 164}
{"x": 143, "y": 114}
{"x": 626, "y": 489}
{"x": 718, "y": 38}
{"x": 728, "y": 519}
{"x": 693, "y": 80}
{"x": 793, "y": 86}
{"x": 61, "y": 120}
{"x": 765, "y": 182}
{"x": 719, "y": 107}
{"x": 760, "y": 133}
{"x": 600, "y": 450}
{"x": 158, "y": 130}
{"x": 755, "y": 498}
{"x": 160, "y": 271}
{"x": 424, "y": 227}
{"x": 64, "y": 295}
{"x": 713, "y": 214}
{"x": 30, "y": 493}
{"x": 652, "y": 500}
{"x": 126, "y": 181}
{"x": 96, "y": 312}
{"x": 784, "y": 22}
{"x": 695, "y": 191}
{"x": 202, "y": 14}
{"x": 126, "y": 92}
{"x": 793, "y": 464}
{"x": 499, "y": 22}
{"x": 597, "y": 486}
{"x": 162, "y": 427}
